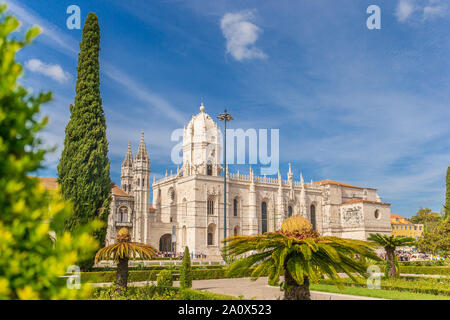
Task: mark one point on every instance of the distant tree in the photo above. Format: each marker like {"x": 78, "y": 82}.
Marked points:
{"x": 83, "y": 170}
{"x": 185, "y": 272}
{"x": 426, "y": 217}
{"x": 447, "y": 195}
{"x": 31, "y": 218}
{"x": 389, "y": 243}
{"x": 437, "y": 240}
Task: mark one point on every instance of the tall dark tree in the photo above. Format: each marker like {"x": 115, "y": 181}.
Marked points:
{"x": 83, "y": 170}
{"x": 447, "y": 195}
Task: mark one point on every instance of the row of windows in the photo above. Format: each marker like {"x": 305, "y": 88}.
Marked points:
{"x": 210, "y": 211}
{"x": 397, "y": 227}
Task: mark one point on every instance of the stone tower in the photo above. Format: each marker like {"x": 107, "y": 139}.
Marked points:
{"x": 126, "y": 176}
{"x": 141, "y": 189}
{"x": 202, "y": 148}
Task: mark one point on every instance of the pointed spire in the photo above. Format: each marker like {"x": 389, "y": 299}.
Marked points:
{"x": 301, "y": 178}
{"x": 128, "y": 162}
{"x": 290, "y": 176}
{"x": 142, "y": 150}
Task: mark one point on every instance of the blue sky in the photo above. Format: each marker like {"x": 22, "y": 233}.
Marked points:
{"x": 366, "y": 107}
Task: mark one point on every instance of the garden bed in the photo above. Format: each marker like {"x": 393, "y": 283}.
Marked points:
{"x": 157, "y": 293}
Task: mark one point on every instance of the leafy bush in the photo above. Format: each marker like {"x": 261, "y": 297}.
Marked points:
{"x": 164, "y": 279}
{"x": 34, "y": 249}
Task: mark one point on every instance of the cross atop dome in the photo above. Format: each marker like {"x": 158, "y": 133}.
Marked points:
{"x": 202, "y": 107}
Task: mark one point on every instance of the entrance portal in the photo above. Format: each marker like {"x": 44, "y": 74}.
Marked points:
{"x": 165, "y": 242}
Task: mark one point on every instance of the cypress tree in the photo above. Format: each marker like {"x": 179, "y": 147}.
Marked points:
{"x": 83, "y": 170}
{"x": 447, "y": 195}
{"x": 185, "y": 272}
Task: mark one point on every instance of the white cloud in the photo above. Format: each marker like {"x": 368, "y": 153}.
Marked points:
{"x": 53, "y": 71}
{"x": 431, "y": 12}
{"x": 404, "y": 10}
{"x": 241, "y": 35}
{"x": 419, "y": 9}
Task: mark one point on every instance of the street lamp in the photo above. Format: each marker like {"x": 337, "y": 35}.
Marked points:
{"x": 225, "y": 117}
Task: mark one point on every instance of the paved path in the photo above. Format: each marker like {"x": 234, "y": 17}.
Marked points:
{"x": 248, "y": 289}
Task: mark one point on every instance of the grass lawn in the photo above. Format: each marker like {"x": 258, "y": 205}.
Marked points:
{"x": 375, "y": 293}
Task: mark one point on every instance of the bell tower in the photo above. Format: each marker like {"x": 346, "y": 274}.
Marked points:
{"x": 126, "y": 172}
{"x": 141, "y": 190}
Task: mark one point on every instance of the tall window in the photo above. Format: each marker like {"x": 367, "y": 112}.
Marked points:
{"x": 210, "y": 206}
{"x": 123, "y": 214}
{"x": 313, "y": 216}
{"x": 209, "y": 169}
{"x": 211, "y": 231}
{"x": 235, "y": 207}
{"x": 290, "y": 211}
{"x": 263, "y": 217}
{"x": 237, "y": 230}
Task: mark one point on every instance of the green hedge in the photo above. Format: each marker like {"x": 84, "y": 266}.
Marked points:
{"x": 428, "y": 263}
{"x": 151, "y": 275}
{"x": 158, "y": 267}
{"x": 410, "y": 284}
{"x": 422, "y": 270}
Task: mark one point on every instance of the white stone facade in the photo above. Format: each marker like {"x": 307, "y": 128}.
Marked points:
{"x": 190, "y": 202}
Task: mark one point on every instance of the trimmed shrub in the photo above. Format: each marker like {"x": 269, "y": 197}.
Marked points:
{"x": 164, "y": 279}
{"x": 185, "y": 271}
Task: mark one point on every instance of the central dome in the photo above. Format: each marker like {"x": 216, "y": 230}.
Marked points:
{"x": 202, "y": 124}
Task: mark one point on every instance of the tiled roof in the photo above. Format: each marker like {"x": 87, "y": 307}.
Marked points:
{"x": 366, "y": 201}
{"x": 48, "y": 183}
{"x": 52, "y": 184}
{"x": 404, "y": 219}
{"x": 322, "y": 182}
{"x": 118, "y": 192}
{"x": 151, "y": 208}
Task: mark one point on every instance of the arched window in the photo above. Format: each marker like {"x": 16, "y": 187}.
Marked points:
{"x": 313, "y": 216}
{"x": 210, "y": 206}
{"x": 123, "y": 214}
{"x": 143, "y": 182}
{"x": 235, "y": 207}
{"x": 129, "y": 188}
{"x": 125, "y": 188}
{"x": 263, "y": 217}
{"x": 209, "y": 169}
{"x": 290, "y": 211}
{"x": 211, "y": 232}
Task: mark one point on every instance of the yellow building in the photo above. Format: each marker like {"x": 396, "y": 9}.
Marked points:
{"x": 402, "y": 227}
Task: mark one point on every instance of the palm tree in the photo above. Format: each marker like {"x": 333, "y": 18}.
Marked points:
{"x": 121, "y": 252}
{"x": 389, "y": 243}
{"x": 301, "y": 254}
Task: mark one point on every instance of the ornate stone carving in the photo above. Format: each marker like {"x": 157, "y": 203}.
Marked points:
{"x": 352, "y": 217}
